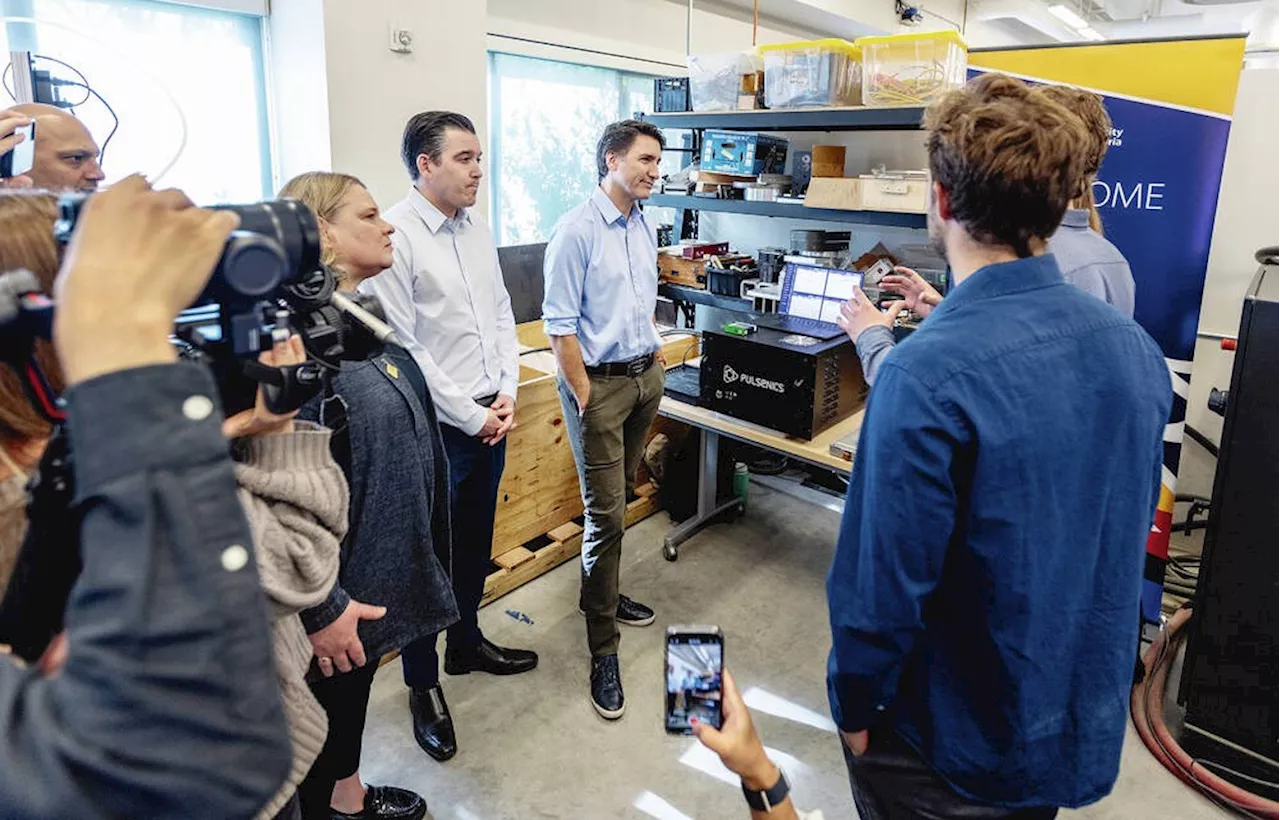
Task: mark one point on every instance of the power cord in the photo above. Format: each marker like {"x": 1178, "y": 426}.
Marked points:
{"x": 82, "y": 82}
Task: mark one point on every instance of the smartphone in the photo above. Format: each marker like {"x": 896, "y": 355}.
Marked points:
{"x": 694, "y": 677}
{"x": 19, "y": 160}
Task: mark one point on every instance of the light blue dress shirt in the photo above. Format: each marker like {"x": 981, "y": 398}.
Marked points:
{"x": 1092, "y": 263}
{"x": 601, "y": 281}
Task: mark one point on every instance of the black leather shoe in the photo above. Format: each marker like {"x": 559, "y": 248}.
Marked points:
{"x": 432, "y": 723}
{"x": 606, "y": 687}
{"x": 387, "y": 803}
{"x": 488, "y": 657}
{"x": 631, "y": 613}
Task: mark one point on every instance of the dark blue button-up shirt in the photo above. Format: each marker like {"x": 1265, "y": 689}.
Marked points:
{"x": 984, "y": 593}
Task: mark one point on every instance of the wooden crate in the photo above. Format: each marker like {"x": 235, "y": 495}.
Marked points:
{"x": 680, "y": 271}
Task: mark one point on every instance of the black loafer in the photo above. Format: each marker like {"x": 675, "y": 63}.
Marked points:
{"x": 488, "y": 657}
{"x": 606, "y": 687}
{"x": 387, "y": 803}
{"x": 432, "y": 723}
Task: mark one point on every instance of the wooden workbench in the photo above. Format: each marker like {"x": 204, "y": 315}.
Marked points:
{"x": 711, "y": 427}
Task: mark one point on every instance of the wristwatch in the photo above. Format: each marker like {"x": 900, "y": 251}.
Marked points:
{"x": 765, "y": 800}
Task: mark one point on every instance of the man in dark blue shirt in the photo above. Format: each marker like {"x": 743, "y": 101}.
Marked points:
{"x": 984, "y": 593}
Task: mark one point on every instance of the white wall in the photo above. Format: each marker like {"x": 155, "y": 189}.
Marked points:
{"x": 300, "y": 102}
{"x": 1247, "y": 219}
{"x": 651, "y": 32}
{"x": 370, "y": 90}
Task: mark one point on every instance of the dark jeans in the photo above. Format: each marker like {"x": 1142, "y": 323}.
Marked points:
{"x": 608, "y": 438}
{"x": 345, "y": 699}
{"x": 892, "y": 782}
{"x": 475, "y": 470}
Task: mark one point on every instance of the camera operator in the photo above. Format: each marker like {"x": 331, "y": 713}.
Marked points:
{"x": 169, "y": 676}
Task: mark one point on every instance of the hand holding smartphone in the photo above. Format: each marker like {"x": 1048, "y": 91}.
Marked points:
{"x": 694, "y": 677}
{"x": 18, "y": 144}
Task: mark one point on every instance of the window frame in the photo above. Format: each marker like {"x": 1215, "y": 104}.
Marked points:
{"x": 494, "y": 148}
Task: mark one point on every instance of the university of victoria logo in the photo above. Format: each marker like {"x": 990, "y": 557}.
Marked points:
{"x": 731, "y": 376}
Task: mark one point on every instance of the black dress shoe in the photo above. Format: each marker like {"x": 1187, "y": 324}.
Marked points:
{"x": 387, "y": 803}
{"x": 432, "y": 723}
{"x": 606, "y": 687}
{"x": 488, "y": 657}
{"x": 631, "y": 613}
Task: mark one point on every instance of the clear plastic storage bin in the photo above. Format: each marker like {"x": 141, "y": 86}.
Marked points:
{"x": 912, "y": 69}
{"x": 715, "y": 80}
{"x": 812, "y": 73}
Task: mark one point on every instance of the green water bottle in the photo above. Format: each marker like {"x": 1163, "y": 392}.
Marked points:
{"x": 741, "y": 476}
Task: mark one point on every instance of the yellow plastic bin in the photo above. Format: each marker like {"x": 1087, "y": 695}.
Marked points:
{"x": 812, "y": 73}
{"x": 911, "y": 69}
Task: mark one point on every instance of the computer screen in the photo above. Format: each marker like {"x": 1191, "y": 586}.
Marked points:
{"x": 816, "y": 292}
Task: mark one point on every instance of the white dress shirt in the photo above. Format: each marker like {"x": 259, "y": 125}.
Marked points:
{"x": 445, "y": 297}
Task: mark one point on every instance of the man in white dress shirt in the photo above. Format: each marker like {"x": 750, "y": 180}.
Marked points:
{"x": 445, "y": 297}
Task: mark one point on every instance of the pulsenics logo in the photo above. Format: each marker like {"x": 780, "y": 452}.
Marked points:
{"x": 731, "y": 376}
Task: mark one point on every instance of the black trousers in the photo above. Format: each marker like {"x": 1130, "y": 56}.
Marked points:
{"x": 345, "y": 699}
{"x": 475, "y": 471}
{"x": 892, "y": 782}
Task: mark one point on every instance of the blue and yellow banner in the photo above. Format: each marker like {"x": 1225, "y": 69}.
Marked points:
{"x": 1157, "y": 191}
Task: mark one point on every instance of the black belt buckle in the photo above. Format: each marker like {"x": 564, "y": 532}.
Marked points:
{"x": 637, "y": 367}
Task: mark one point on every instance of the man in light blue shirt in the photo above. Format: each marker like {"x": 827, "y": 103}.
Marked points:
{"x": 601, "y": 275}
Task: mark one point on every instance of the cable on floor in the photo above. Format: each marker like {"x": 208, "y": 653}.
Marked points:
{"x": 1147, "y": 707}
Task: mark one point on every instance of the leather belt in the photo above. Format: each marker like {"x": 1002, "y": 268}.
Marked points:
{"x": 635, "y": 368}
{"x": 486, "y": 401}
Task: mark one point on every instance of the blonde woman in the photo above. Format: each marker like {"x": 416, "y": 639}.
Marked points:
{"x": 393, "y": 587}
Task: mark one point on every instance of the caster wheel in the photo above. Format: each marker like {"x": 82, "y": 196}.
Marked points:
{"x": 669, "y": 552}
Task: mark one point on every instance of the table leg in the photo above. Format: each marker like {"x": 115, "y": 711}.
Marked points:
{"x": 708, "y": 510}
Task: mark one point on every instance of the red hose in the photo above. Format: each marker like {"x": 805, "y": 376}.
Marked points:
{"x": 1147, "y": 705}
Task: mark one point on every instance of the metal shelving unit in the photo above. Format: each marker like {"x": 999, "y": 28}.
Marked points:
{"x": 741, "y": 206}
{"x": 796, "y": 119}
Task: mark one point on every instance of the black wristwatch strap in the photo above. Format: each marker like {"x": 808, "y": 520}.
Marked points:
{"x": 765, "y": 801}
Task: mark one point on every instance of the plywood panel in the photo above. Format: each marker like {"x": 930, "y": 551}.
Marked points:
{"x": 539, "y": 489}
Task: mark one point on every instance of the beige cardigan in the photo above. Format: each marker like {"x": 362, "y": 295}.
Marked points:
{"x": 295, "y": 498}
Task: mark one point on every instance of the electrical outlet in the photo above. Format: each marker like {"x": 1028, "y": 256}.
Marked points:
{"x": 401, "y": 40}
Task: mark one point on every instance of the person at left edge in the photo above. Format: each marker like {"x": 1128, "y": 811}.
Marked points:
{"x": 444, "y": 295}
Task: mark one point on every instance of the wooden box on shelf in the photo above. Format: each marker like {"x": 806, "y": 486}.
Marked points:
{"x": 679, "y": 271}
{"x": 840, "y": 193}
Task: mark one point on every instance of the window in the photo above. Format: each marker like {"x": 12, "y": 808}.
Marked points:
{"x": 545, "y": 118}
{"x": 134, "y": 51}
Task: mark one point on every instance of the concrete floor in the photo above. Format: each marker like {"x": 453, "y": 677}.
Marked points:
{"x": 532, "y": 747}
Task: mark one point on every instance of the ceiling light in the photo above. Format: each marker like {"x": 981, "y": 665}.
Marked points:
{"x": 1068, "y": 16}
{"x": 1089, "y": 34}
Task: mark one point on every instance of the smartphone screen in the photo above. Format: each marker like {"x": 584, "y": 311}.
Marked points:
{"x": 694, "y": 670}
{"x": 22, "y": 157}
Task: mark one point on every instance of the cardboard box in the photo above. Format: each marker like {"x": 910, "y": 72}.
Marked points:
{"x": 901, "y": 195}
{"x": 843, "y": 194}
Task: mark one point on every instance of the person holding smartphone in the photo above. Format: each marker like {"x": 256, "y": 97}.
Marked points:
{"x": 766, "y": 788}
{"x": 15, "y": 130}
{"x": 66, "y": 155}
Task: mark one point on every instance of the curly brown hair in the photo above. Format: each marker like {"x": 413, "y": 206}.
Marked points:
{"x": 1097, "y": 123}
{"x": 1008, "y": 158}
{"x": 26, "y": 241}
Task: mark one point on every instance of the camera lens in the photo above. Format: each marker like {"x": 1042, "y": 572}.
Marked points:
{"x": 294, "y": 229}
